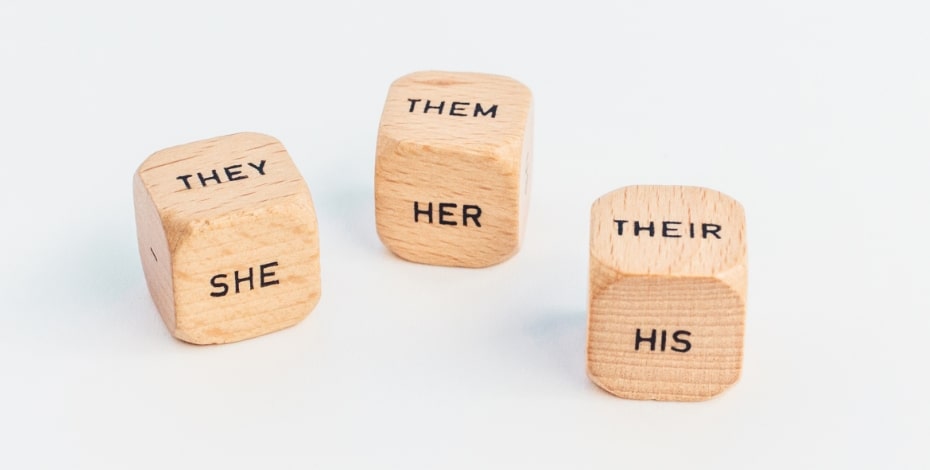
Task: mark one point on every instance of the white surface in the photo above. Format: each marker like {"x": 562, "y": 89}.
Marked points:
{"x": 814, "y": 114}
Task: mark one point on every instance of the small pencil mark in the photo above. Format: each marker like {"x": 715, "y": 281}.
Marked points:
{"x": 153, "y": 254}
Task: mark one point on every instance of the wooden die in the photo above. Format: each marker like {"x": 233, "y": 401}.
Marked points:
{"x": 667, "y": 295}
{"x": 452, "y": 168}
{"x": 228, "y": 238}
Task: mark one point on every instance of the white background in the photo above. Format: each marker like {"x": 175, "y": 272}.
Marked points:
{"x": 814, "y": 114}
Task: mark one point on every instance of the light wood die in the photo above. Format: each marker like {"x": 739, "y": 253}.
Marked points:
{"x": 452, "y": 168}
{"x": 667, "y": 295}
{"x": 228, "y": 238}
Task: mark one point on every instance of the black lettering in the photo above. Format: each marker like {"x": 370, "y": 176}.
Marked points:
{"x": 443, "y": 212}
{"x": 712, "y": 229}
{"x": 241, "y": 280}
{"x": 417, "y": 212}
{"x": 262, "y": 274}
{"x": 184, "y": 179}
{"x": 667, "y": 229}
{"x": 224, "y": 288}
{"x": 692, "y": 229}
{"x": 620, "y": 226}
{"x": 456, "y": 108}
{"x": 413, "y": 103}
{"x": 651, "y": 340}
{"x": 678, "y": 338}
{"x": 203, "y": 181}
{"x": 479, "y": 110}
{"x": 639, "y": 228}
{"x": 466, "y": 214}
{"x": 260, "y": 167}
{"x": 664, "y": 336}
{"x": 428, "y": 107}
{"x": 232, "y": 175}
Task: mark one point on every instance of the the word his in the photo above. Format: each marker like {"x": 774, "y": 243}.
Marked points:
{"x": 457, "y": 108}
{"x": 682, "y": 344}
{"x": 264, "y": 280}
{"x": 233, "y": 173}
{"x": 670, "y": 229}
{"x": 469, "y": 211}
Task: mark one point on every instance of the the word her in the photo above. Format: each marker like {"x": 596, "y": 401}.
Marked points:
{"x": 682, "y": 345}
{"x": 671, "y": 229}
{"x": 457, "y": 108}
{"x": 469, "y": 211}
{"x": 264, "y": 280}
{"x": 232, "y": 173}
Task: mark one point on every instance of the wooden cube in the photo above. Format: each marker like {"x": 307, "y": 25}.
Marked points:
{"x": 452, "y": 168}
{"x": 228, "y": 238}
{"x": 667, "y": 295}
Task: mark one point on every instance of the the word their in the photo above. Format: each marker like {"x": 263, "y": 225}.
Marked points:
{"x": 670, "y": 229}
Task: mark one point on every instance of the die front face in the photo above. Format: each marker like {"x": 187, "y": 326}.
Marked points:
{"x": 228, "y": 238}
{"x": 667, "y": 292}
{"x": 452, "y": 168}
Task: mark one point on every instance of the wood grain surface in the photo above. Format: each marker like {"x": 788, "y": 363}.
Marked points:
{"x": 228, "y": 238}
{"x": 667, "y": 292}
{"x": 462, "y": 141}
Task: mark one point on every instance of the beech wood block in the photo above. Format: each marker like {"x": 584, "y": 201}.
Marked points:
{"x": 452, "y": 168}
{"x": 667, "y": 297}
{"x": 228, "y": 238}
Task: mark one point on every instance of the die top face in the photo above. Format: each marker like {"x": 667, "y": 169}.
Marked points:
{"x": 668, "y": 230}
{"x": 208, "y": 179}
{"x": 458, "y": 113}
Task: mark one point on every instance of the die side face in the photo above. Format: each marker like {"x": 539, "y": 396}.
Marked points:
{"x": 434, "y": 221}
{"x": 247, "y": 274}
{"x": 238, "y": 238}
{"x": 667, "y": 293}
{"x": 452, "y": 168}
{"x": 154, "y": 252}
{"x": 665, "y": 339}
